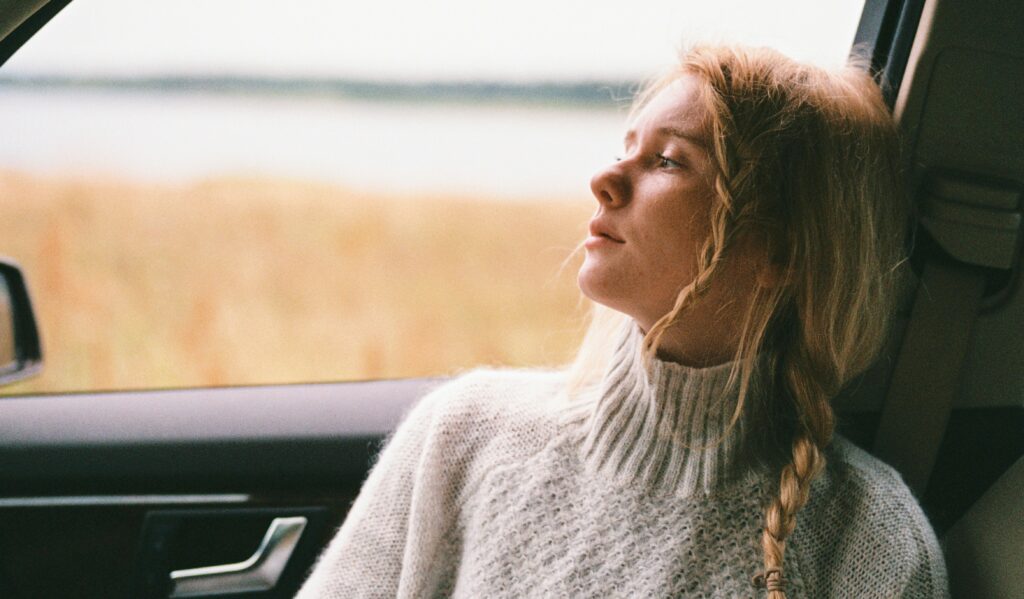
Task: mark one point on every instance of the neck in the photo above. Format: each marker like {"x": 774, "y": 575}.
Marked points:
{"x": 695, "y": 343}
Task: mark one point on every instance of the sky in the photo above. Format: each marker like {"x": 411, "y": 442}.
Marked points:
{"x": 421, "y": 40}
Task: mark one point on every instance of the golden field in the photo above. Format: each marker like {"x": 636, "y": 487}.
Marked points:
{"x": 236, "y": 281}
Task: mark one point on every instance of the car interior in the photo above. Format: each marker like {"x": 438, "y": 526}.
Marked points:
{"x": 234, "y": 491}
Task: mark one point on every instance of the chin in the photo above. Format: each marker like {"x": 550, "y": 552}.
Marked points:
{"x": 599, "y": 288}
{"x": 587, "y": 279}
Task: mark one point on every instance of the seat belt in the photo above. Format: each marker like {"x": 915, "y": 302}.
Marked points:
{"x": 977, "y": 223}
{"x": 927, "y": 372}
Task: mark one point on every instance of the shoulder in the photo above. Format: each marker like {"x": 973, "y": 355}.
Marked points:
{"x": 864, "y": 532}
{"x": 872, "y": 488}
{"x": 487, "y": 417}
{"x": 504, "y": 396}
{"x": 511, "y": 383}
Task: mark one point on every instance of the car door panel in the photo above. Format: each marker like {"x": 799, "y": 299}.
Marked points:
{"x": 87, "y": 479}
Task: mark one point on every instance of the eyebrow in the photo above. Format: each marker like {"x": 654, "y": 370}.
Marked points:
{"x": 672, "y": 132}
{"x": 686, "y": 135}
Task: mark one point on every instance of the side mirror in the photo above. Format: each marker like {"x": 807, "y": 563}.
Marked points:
{"x": 21, "y": 354}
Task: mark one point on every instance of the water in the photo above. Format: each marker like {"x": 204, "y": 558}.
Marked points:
{"x": 484, "y": 149}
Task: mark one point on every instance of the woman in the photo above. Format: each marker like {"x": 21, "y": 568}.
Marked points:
{"x": 746, "y": 244}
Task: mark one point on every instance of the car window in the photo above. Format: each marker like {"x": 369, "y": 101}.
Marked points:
{"x": 241, "y": 192}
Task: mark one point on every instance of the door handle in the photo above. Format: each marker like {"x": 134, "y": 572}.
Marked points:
{"x": 258, "y": 573}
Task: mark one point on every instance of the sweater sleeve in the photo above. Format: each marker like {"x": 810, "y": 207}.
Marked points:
{"x": 865, "y": 535}
{"x": 390, "y": 541}
{"x": 916, "y": 562}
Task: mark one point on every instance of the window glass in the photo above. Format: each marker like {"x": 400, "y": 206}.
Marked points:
{"x": 247, "y": 192}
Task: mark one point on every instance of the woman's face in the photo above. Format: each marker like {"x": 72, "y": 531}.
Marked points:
{"x": 653, "y": 209}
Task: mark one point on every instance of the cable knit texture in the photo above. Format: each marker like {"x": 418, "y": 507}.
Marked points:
{"x": 495, "y": 485}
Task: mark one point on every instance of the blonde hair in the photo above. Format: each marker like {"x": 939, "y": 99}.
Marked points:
{"x": 807, "y": 160}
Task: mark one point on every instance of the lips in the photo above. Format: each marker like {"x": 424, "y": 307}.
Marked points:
{"x": 599, "y": 228}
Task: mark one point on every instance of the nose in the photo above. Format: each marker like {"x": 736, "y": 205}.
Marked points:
{"x": 610, "y": 185}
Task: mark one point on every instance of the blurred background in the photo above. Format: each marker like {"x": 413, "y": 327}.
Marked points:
{"x": 235, "y": 192}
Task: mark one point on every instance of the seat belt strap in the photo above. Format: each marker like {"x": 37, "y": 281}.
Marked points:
{"x": 927, "y": 372}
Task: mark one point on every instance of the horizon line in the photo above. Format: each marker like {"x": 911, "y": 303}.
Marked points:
{"x": 585, "y": 91}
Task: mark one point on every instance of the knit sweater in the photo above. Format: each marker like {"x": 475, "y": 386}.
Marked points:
{"x": 496, "y": 485}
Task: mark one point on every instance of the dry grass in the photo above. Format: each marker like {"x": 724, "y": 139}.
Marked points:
{"x": 240, "y": 281}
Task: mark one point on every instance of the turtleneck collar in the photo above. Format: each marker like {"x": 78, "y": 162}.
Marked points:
{"x": 666, "y": 427}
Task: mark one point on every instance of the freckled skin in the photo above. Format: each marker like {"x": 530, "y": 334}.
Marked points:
{"x": 657, "y": 198}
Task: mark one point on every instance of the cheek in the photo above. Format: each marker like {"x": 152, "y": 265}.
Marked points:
{"x": 670, "y": 253}
{"x": 670, "y": 247}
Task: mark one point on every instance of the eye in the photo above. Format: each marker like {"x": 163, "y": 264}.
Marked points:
{"x": 666, "y": 162}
